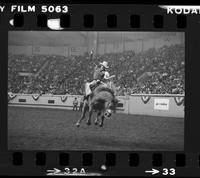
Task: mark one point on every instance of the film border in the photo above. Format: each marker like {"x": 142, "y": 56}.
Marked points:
{"x": 122, "y": 157}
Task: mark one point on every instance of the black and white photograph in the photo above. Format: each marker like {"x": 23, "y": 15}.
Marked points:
{"x": 96, "y": 90}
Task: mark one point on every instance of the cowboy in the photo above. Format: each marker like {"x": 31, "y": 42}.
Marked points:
{"x": 81, "y": 104}
{"x": 100, "y": 74}
{"x": 75, "y": 104}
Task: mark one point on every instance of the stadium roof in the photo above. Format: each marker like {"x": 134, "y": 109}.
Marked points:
{"x": 64, "y": 38}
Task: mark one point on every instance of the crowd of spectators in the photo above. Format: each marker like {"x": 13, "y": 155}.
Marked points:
{"x": 156, "y": 71}
{"x": 20, "y": 68}
{"x": 24, "y": 63}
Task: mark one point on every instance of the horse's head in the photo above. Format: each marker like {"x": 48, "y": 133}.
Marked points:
{"x": 110, "y": 107}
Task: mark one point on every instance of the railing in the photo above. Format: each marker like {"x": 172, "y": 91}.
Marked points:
{"x": 159, "y": 95}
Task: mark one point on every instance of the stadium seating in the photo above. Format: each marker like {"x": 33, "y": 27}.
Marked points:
{"x": 156, "y": 71}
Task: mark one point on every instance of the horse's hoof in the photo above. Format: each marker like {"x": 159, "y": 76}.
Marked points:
{"x": 100, "y": 125}
{"x": 77, "y": 124}
{"x": 96, "y": 123}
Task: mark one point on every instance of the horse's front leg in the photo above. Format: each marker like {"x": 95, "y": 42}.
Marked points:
{"x": 97, "y": 118}
{"x": 90, "y": 115}
{"x": 85, "y": 107}
{"x": 102, "y": 120}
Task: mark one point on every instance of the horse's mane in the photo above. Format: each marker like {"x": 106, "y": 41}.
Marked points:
{"x": 103, "y": 88}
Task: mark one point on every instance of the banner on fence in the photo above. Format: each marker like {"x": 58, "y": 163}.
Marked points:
{"x": 161, "y": 104}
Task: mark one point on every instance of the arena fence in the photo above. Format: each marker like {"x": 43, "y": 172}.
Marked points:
{"x": 140, "y": 104}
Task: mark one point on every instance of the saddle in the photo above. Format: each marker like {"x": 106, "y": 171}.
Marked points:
{"x": 101, "y": 87}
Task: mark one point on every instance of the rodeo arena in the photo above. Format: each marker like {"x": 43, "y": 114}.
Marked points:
{"x": 48, "y": 76}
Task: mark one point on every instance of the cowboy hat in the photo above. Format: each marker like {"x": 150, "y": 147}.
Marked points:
{"x": 104, "y": 64}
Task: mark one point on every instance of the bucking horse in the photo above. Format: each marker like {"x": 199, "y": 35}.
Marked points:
{"x": 102, "y": 101}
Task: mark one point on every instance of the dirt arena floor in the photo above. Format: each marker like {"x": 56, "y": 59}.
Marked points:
{"x": 54, "y": 129}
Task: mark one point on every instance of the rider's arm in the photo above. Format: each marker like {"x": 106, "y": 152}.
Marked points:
{"x": 107, "y": 76}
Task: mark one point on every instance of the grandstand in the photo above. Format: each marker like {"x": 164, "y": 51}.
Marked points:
{"x": 59, "y": 63}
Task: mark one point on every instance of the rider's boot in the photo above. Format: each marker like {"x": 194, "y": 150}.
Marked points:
{"x": 85, "y": 97}
{"x": 93, "y": 84}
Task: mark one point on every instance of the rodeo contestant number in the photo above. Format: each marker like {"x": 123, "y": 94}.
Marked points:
{"x": 170, "y": 171}
{"x": 57, "y": 9}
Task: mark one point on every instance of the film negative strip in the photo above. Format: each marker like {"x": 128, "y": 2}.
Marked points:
{"x": 99, "y": 90}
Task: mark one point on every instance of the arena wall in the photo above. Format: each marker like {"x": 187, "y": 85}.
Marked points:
{"x": 153, "y": 105}
{"x": 45, "y": 100}
{"x": 158, "y": 105}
